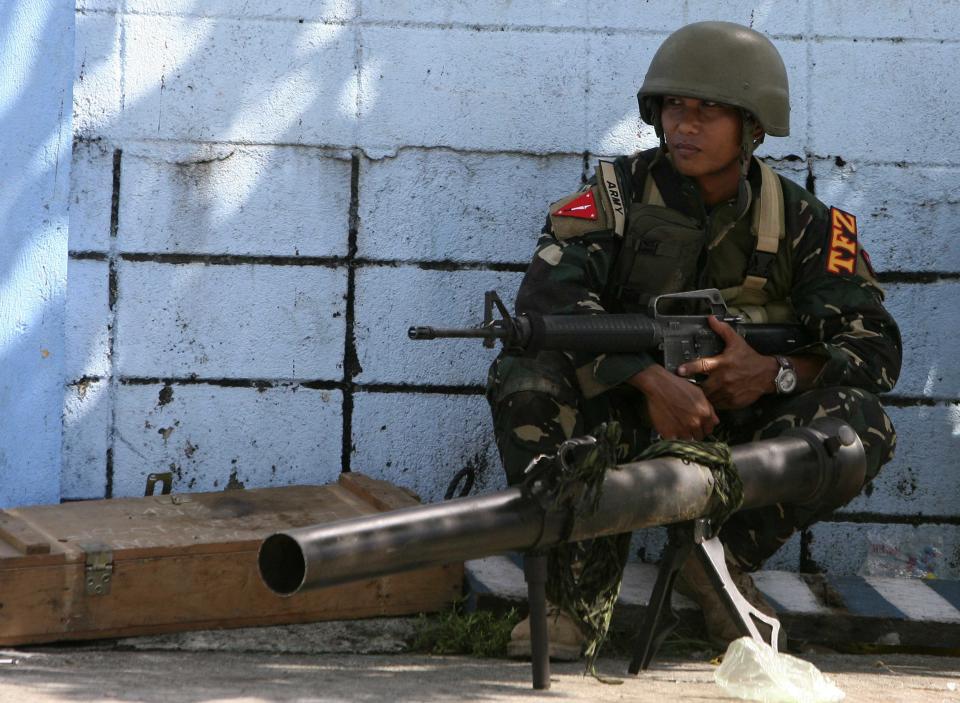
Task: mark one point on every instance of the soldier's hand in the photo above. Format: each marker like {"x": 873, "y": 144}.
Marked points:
{"x": 678, "y": 409}
{"x": 736, "y": 378}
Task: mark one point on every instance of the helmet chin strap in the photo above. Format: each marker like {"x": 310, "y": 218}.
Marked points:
{"x": 654, "y": 105}
{"x": 747, "y": 146}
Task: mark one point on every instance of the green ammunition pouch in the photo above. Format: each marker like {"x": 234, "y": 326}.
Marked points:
{"x": 659, "y": 255}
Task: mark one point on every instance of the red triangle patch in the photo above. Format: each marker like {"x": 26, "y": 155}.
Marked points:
{"x": 583, "y": 207}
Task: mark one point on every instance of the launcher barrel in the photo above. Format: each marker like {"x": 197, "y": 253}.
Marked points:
{"x": 823, "y": 463}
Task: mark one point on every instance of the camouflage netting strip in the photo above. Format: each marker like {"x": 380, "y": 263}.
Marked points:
{"x": 716, "y": 456}
{"x": 584, "y": 578}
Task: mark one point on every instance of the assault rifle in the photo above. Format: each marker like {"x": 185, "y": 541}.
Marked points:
{"x": 676, "y": 324}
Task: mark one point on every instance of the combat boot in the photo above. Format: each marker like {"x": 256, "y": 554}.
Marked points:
{"x": 693, "y": 582}
{"x": 565, "y": 638}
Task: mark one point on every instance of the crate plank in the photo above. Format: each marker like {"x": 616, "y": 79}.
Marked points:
{"x": 379, "y": 494}
{"x": 20, "y": 535}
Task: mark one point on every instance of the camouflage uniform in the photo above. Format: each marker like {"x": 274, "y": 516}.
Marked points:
{"x": 539, "y": 401}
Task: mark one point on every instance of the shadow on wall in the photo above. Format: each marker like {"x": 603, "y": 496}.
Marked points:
{"x": 34, "y": 143}
{"x": 248, "y": 107}
{"x": 311, "y": 86}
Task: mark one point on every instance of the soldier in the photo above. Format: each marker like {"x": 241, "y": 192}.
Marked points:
{"x": 700, "y": 211}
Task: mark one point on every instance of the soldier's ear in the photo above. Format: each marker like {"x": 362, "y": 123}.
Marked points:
{"x": 758, "y": 135}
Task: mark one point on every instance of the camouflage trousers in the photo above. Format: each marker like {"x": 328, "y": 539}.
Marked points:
{"x": 536, "y": 404}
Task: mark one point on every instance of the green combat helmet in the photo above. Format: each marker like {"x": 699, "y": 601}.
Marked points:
{"x": 722, "y": 62}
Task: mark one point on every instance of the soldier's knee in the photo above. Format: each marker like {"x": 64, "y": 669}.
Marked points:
{"x": 548, "y": 373}
{"x": 534, "y": 403}
{"x": 864, "y": 412}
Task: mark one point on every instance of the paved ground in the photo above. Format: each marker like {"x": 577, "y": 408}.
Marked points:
{"x": 69, "y": 675}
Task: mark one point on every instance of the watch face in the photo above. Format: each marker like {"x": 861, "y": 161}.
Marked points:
{"x": 786, "y": 381}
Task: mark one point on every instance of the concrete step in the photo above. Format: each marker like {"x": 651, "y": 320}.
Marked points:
{"x": 821, "y": 609}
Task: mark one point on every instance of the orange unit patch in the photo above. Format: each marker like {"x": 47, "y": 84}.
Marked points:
{"x": 842, "y": 254}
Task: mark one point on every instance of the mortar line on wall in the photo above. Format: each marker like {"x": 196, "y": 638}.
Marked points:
{"x": 233, "y": 259}
{"x": 585, "y": 114}
{"x": 112, "y": 293}
{"x": 122, "y": 40}
{"x": 358, "y": 77}
{"x": 905, "y": 401}
{"x": 807, "y": 563}
{"x": 886, "y": 40}
{"x": 810, "y": 158}
{"x": 341, "y": 152}
{"x": 89, "y": 378}
{"x": 179, "y": 259}
{"x": 502, "y": 28}
{"x": 308, "y": 261}
{"x": 389, "y": 152}
{"x": 260, "y": 384}
{"x": 498, "y": 28}
{"x": 263, "y": 384}
{"x": 351, "y": 363}
{"x": 507, "y": 267}
{"x": 585, "y": 173}
{"x": 864, "y": 517}
{"x": 895, "y": 401}
{"x": 87, "y": 255}
{"x": 917, "y": 276}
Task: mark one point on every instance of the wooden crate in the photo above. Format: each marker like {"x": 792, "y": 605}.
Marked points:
{"x": 136, "y": 566}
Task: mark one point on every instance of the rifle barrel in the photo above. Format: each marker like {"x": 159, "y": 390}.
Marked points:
{"x": 465, "y": 332}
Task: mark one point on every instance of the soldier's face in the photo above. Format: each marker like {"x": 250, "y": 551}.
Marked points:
{"x": 703, "y": 137}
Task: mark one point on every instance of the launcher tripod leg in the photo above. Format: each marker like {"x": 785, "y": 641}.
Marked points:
{"x": 535, "y": 572}
{"x": 660, "y": 618}
{"x": 710, "y": 554}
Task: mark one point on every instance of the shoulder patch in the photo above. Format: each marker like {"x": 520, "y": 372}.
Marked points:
{"x": 579, "y": 214}
{"x": 614, "y": 200}
{"x": 842, "y": 253}
{"x": 583, "y": 207}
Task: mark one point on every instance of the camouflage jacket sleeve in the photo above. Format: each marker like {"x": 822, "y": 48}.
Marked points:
{"x": 567, "y": 276}
{"x": 836, "y": 295}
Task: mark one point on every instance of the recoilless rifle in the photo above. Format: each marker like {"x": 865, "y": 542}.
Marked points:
{"x": 822, "y": 464}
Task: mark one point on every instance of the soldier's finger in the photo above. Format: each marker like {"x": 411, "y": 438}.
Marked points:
{"x": 726, "y": 332}
{"x": 707, "y": 364}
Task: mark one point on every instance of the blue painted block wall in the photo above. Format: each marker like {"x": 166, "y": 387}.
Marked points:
{"x": 263, "y": 198}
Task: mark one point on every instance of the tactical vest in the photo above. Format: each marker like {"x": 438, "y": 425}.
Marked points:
{"x": 662, "y": 248}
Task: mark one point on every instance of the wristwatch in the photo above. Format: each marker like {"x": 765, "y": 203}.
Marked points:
{"x": 786, "y": 380}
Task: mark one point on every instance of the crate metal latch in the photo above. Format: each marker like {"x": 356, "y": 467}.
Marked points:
{"x": 98, "y": 570}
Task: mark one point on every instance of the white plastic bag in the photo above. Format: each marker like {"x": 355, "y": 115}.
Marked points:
{"x": 755, "y": 672}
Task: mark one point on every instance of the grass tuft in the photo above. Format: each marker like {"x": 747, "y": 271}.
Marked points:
{"x": 481, "y": 633}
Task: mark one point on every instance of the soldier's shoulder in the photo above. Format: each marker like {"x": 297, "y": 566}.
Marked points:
{"x": 634, "y": 169}
{"x": 798, "y": 200}
{"x": 599, "y": 206}
{"x": 828, "y": 232}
